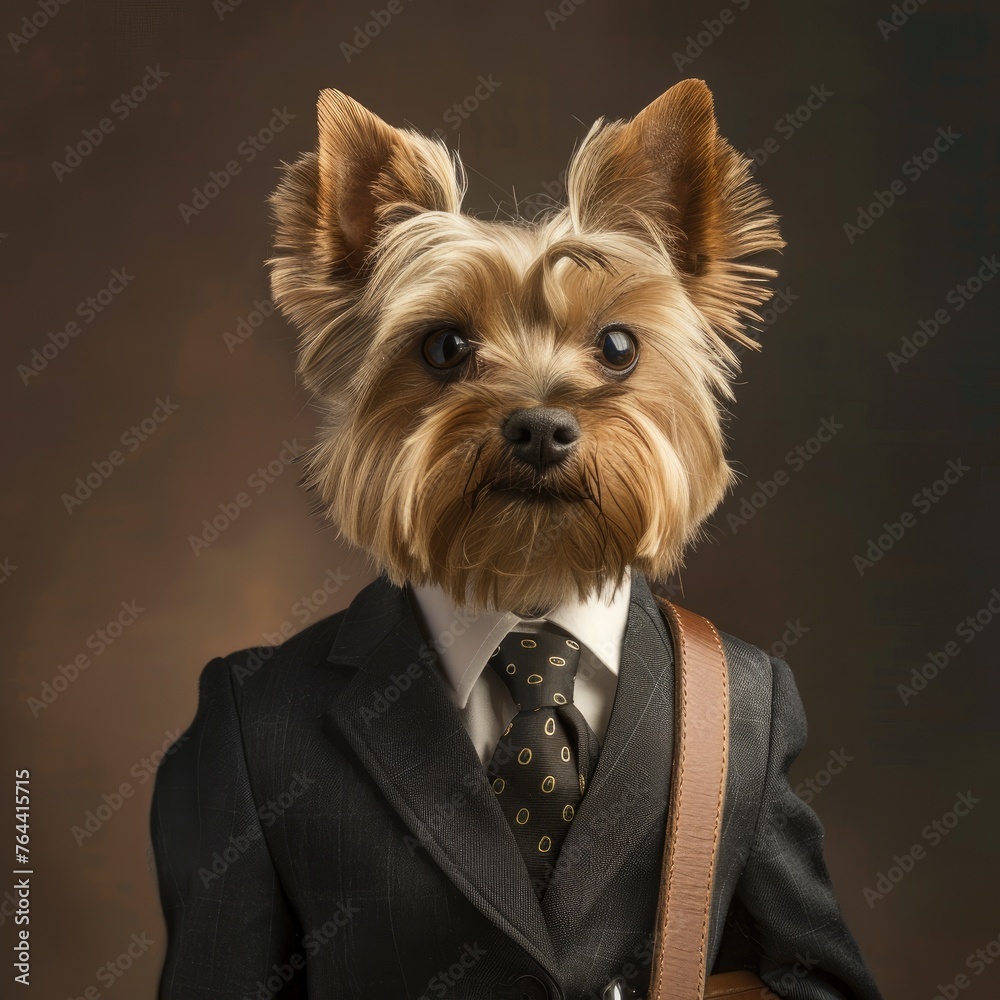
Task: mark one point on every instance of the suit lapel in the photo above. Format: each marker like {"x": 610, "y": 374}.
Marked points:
{"x": 399, "y": 719}
{"x": 628, "y": 793}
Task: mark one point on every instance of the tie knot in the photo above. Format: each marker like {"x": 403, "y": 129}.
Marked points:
{"x": 539, "y": 668}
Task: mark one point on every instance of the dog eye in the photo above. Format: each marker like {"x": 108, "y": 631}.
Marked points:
{"x": 619, "y": 349}
{"x": 446, "y": 348}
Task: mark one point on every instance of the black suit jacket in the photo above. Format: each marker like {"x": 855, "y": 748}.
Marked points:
{"x": 325, "y": 829}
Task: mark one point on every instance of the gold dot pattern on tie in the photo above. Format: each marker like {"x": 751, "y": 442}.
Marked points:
{"x": 539, "y": 768}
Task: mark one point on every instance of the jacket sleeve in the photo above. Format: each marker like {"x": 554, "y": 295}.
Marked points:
{"x": 229, "y": 930}
{"x": 797, "y": 930}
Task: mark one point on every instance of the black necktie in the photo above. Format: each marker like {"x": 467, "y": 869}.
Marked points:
{"x": 543, "y": 761}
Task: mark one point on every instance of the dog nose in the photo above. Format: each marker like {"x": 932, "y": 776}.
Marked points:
{"x": 541, "y": 435}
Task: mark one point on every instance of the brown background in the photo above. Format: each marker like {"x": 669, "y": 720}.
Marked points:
{"x": 825, "y": 357}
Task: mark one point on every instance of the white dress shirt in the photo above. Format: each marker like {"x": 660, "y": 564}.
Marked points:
{"x": 465, "y": 642}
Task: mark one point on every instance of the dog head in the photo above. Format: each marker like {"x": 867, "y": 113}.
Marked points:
{"x": 520, "y": 410}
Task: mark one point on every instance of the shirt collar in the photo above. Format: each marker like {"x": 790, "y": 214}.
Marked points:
{"x": 464, "y": 642}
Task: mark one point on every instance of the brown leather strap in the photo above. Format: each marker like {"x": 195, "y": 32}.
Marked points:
{"x": 701, "y": 747}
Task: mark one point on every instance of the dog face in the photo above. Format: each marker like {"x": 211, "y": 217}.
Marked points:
{"x": 519, "y": 411}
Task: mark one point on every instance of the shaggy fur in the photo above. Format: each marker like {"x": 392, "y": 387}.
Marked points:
{"x": 373, "y": 255}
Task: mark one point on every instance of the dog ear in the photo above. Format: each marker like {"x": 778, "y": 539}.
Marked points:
{"x": 364, "y": 174}
{"x": 329, "y": 209}
{"x": 367, "y": 168}
{"x": 669, "y": 175}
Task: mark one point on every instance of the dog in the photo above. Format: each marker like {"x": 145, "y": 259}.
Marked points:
{"x": 521, "y": 420}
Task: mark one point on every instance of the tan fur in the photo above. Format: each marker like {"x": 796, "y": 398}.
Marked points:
{"x": 372, "y": 252}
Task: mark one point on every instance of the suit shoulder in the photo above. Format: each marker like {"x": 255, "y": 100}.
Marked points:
{"x": 750, "y": 673}
{"x": 751, "y": 670}
{"x": 257, "y": 667}
{"x": 763, "y": 685}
